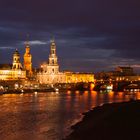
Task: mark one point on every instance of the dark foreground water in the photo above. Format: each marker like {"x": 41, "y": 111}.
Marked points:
{"x": 48, "y": 116}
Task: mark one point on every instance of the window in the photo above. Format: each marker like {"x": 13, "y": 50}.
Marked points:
{"x": 52, "y": 51}
{"x": 53, "y": 61}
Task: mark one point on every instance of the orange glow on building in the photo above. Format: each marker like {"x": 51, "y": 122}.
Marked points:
{"x": 14, "y": 72}
{"x": 50, "y": 73}
{"x": 28, "y": 60}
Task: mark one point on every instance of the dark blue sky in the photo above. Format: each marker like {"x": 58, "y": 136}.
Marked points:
{"x": 91, "y": 35}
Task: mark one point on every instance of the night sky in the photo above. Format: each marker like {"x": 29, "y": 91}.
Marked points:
{"x": 91, "y": 35}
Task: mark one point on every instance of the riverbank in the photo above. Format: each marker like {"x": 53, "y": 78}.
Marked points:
{"x": 117, "y": 121}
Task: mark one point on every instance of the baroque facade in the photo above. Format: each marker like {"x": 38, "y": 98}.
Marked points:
{"x": 14, "y": 71}
{"x": 50, "y": 73}
{"x": 74, "y": 77}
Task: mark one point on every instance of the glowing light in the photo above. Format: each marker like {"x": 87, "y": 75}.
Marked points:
{"x": 16, "y": 86}
{"x": 56, "y": 89}
{"x": 92, "y": 86}
{"x": 109, "y": 87}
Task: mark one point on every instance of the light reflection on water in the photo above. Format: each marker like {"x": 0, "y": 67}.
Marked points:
{"x": 47, "y": 116}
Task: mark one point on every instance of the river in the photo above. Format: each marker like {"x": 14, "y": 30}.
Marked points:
{"x": 48, "y": 116}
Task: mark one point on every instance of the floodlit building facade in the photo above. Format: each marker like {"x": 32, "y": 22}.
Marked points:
{"x": 50, "y": 73}
{"x": 72, "y": 77}
{"x": 14, "y": 71}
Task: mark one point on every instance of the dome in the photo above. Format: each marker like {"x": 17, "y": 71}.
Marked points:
{"x": 16, "y": 52}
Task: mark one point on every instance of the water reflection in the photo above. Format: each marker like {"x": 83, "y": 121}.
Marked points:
{"x": 46, "y": 116}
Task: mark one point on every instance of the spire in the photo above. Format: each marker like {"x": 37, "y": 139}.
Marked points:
{"x": 53, "y": 39}
{"x": 53, "y": 47}
{"x": 27, "y": 37}
{"x": 27, "y": 43}
{"x": 53, "y": 56}
{"x": 53, "y": 42}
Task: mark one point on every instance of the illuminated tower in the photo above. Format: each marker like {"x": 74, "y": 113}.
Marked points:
{"x": 16, "y": 61}
{"x": 28, "y": 59}
{"x": 53, "y": 67}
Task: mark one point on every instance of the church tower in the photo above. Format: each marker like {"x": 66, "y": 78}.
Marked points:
{"x": 53, "y": 67}
{"x": 16, "y": 61}
{"x": 28, "y": 59}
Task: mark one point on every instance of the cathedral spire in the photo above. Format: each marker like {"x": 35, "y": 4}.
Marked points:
{"x": 53, "y": 39}
{"x": 53, "y": 66}
{"x": 27, "y": 43}
{"x": 53, "y": 47}
{"x": 27, "y": 39}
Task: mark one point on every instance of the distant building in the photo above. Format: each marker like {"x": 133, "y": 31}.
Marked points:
{"x": 125, "y": 74}
{"x": 125, "y": 71}
{"x": 28, "y": 60}
{"x": 14, "y": 71}
{"x": 50, "y": 73}
{"x": 119, "y": 74}
{"x": 127, "y": 78}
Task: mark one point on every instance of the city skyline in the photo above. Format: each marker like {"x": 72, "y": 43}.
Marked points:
{"x": 91, "y": 35}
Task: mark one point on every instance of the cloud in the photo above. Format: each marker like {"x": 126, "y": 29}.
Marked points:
{"x": 98, "y": 34}
{"x": 7, "y": 48}
{"x": 38, "y": 42}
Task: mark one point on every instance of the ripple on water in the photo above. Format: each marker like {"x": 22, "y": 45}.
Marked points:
{"x": 47, "y": 116}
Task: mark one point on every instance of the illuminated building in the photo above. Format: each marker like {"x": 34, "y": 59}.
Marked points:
{"x": 72, "y": 77}
{"x": 126, "y": 78}
{"x": 28, "y": 60}
{"x": 119, "y": 74}
{"x": 16, "y": 61}
{"x": 14, "y": 71}
{"x": 127, "y": 71}
{"x": 50, "y": 72}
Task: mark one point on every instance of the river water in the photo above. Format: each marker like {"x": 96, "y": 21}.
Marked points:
{"x": 48, "y": 116}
